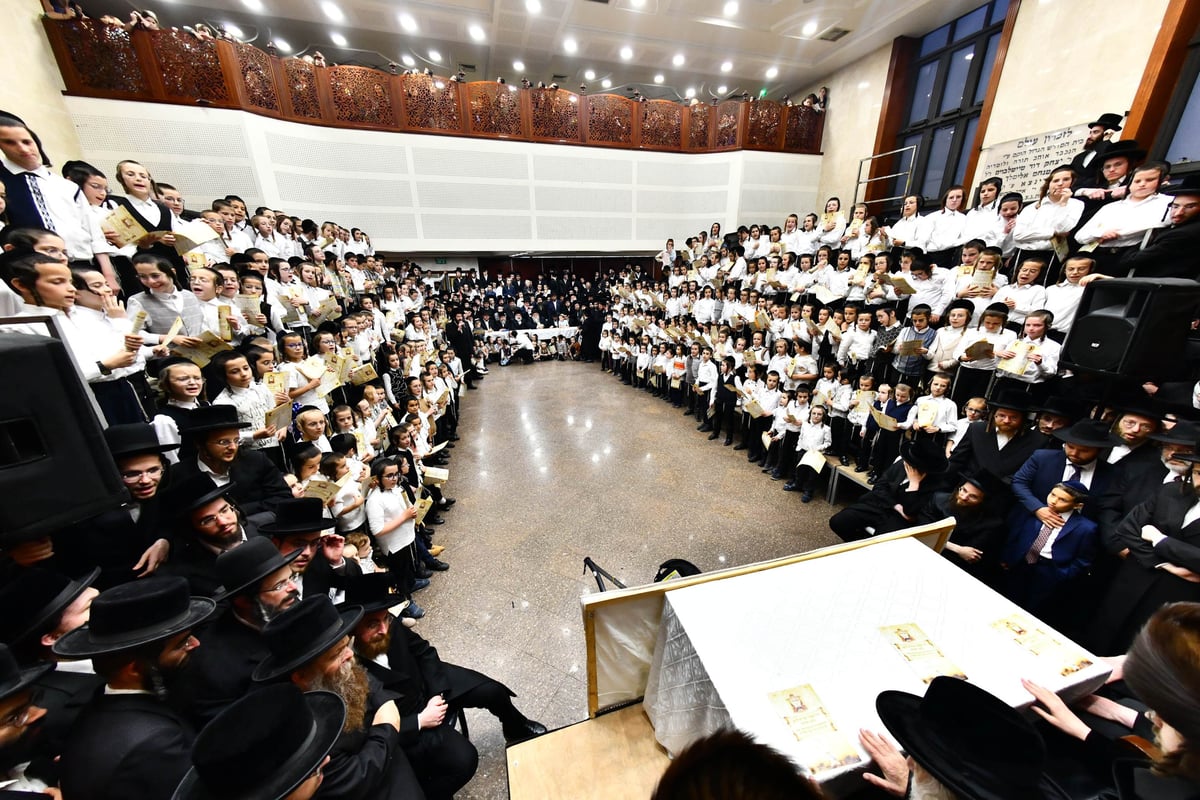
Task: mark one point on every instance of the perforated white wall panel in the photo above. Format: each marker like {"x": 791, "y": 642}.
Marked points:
{"x": 440, "y": 194}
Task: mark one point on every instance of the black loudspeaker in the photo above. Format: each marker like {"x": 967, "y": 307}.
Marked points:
{"x": 55, "y": 468}
{"x": 1133, "y": 328}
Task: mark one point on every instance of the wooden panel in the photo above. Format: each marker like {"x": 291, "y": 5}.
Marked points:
{"x": 729, "y": 125}
{"x": 190, "y": 68}
{"x": 985, "y": 115}
{"x": 555, "y": 115}
{"x": 891, "y": 114}
{"x": 609, "y": 119}
{"x": 765, "y": 129}
{"x": 614, "y": 755}
{"x": 494, "y": 109}
{"x": 1153, "y": 96}
{"x": 662, "y": 125}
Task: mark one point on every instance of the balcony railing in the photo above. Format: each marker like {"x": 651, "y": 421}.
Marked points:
{"x": 170, "y": 66}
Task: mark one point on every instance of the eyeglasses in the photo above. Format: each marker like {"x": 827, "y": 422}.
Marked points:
{"x": 211, "y": 519}
{"x": 224, "y": 442}
{"x": 19, "y": 718}
{"x": 1183, "y": 206}
{"x": 135, "y": 475}
{"x": 279, "y": 587}
{"x": 390, "y": 476}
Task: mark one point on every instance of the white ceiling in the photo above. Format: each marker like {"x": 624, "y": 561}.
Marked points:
{"x": 783, "y": 34}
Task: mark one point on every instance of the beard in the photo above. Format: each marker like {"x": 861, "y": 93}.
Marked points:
{"x": 373, "y": 650}
{"x": 350, "y": 684}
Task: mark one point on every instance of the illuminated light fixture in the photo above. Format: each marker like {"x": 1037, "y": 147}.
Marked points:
{"x": 332, "y": 11}
{"x": 762, "y": 93}
{"x": 606, "y": 83}
{"x": 253, "y": 5}
{"x": 637, "y": 3}
{"x": 234, "y": 31}
{"x": 726, "y": 66}
{"x": 772, "y": 73}
{"x": 337, "y": 39}
{"x": 678, "y": 60}
{"x": 809, "y": 28}
{"x": 731, "y": 8}
{"x": 476, "y": 33}
{"x": 589, "y": 75}
{"x": 626, "y": 53}
{"x": 570, "y": 45}
{"x": 722, "y": 90}
{"x": 408, "y": 23}
{"x": 533, "y": 6}
{"x": 282, "y": 46}
{"x": 690, "y": 93}
{"x": 659, "y": 78}
{"x": 439, "y": 85}
{"x": 519, "y": 65}
{"x": 408, "y": 60}
{"x": 435, "y": 56}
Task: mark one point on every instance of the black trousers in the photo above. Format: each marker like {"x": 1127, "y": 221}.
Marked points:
{"x": 443, "y": 760}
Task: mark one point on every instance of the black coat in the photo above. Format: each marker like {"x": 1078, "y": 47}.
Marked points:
{"x": 126, "y": 746}
{"x": 195, "y": 562}
{"x": 978, "y": 450}
{"x": 258, "y": 484}
{"x": 1170, "y": 254}
{"x": 320, "y": 578}
{"x": 219, "y": 669}
{"x": 111, "y": 541}
{"x": 1132, "y": 484}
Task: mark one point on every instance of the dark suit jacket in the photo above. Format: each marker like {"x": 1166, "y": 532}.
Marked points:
{"x": 1037, "y": 476}
{"x": 258, "y": 483}
{"x": 64, "y": 695}
{"x": 126, "y": 746}
{"x": 978, "y": 450}
{"x": 1170, "y": 254}
{"x": 219, "y": 669}
{"x": 320, "y": 578}
{"x": 1132, "y": 485}
{"x": 111, "y": 541}
{"x": 192, "y": 560}
{"x": 1071, "y": 553}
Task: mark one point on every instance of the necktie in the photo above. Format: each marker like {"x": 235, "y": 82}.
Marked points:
{"x": 1076, "y": 474}
{"x": 39, "y": 200}
{"x": 1043, "y": 536}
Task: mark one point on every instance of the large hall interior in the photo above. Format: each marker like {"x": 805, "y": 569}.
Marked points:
{"x": 600, "y": 398}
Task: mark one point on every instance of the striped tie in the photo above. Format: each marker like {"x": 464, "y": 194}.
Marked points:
{"x": 1043, "y": 536}
{"x": 39, "y": 200}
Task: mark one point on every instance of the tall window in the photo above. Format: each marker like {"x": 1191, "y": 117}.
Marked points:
{"x": 951, "y": 72}
{"x": 1178, "y": 141}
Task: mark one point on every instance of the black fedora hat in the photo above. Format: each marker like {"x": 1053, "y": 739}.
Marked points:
{"x": 1126, "y": 148}
{"x": 14, "y": 679}
{"x": 136, "y": 614}
{"x": 1012, "y": 399}
{"x": 1088, "y": 433}
{"x": 33, "y": 597}
{"x": 192, "y": 493}
{"x": 297, "y": 515}
{"x": 1182, "y": 432}
{"x": 1188, "y": 184}
{"x": 923, "y": 454}
{"x": 973, "y": 743}
{"x": 136, "y": 438}
{"x": 248, "y": 564}
{"x": 988, "y": 482}
{"x": 1061, "y": 407}
{"x": 1142, "y": 407}
{"x": 1110, "y": 122}
{"x": 211, "y": 418}
{"x": 264, "y": 745}
{"x": 372, "y": 591}
{"x": 303, "y": 632}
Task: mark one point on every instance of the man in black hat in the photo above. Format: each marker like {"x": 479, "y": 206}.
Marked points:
{"x": 1121, "y": 227}
{"x": 1000, "y": 444}
{"x": 258, "y": 586}
{"x": 1171, "y": 251}
{"x": 129, "y": 542}
{"x": 207, "y": 523}
{"x": 406, "y": 663}
{"x": 897, "y": 498}
{"x": 214, "y": 449}
{"x": 1098, "y": 135}
{"x": 1053, "y": 414}
{"x": 1079, "y": 459}
{"x": 20, "y": 728}
{"x": 978, "y": 534}
{"x": 1135, "y": 423}
{"x": 128, "y": 742}
{"x": 37, "y": 608}
{"x": 320, "y": 566}
{"x": 310, "y": 647}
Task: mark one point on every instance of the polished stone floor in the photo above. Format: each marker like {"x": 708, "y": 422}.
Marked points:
{"x": 559, "y": 461}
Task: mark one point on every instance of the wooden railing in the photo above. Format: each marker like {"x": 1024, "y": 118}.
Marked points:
{"x": 170, "y": 66}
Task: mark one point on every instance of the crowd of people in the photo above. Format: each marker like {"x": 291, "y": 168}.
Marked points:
{"x": 283, "y": 405}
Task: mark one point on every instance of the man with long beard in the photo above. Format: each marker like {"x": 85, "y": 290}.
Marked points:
{"x": 978, "y": 528}
{"x": 309, "y": 645}
{"x": 128, "y": 742}
{"x": 258, "y": 586}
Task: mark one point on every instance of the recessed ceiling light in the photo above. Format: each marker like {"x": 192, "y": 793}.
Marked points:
{"x": 408, "y": 23}
{"x": 332, "y": 11}
{"x": 283, "y": 46}
{"x": 731, "y": 8}
{"x": 626, "y": 53}
{"x": 678, "y": 60}
{"x": 637, "y": 3}
{"x": 234, "y": 31}
{"x": 337, "y": 39}
{"x": 476, "y": 33}
{"x": 690, "y": 93}
{"x": 606, "y": 83}
{"x": 864, "y": 85}
{"x": 570, "y": 45}
{"x": 434, "y": 55}
{"x": 727, "y": 66}
{"x": 589, "y": 75}
{"x": 722, "y": 90}
{"x": 519, "y": 65}
{"x": 659, "y": 78}
{"x": 533, "y": 6}
{"x": 253, "y": 5}
{"x": 809, "y": 28}
{"x": 408, "y": 60}
{"x": 772, "y": 73}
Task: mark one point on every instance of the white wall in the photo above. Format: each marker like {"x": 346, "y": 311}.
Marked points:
{"x": 435, "y": 194}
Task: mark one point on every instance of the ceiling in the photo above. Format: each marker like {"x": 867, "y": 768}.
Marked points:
{"x": 715, "y": 49}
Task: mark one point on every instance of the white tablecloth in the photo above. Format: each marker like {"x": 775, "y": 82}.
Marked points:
{"x": 724, "y": 646}
{"x": 535, "y": 333}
